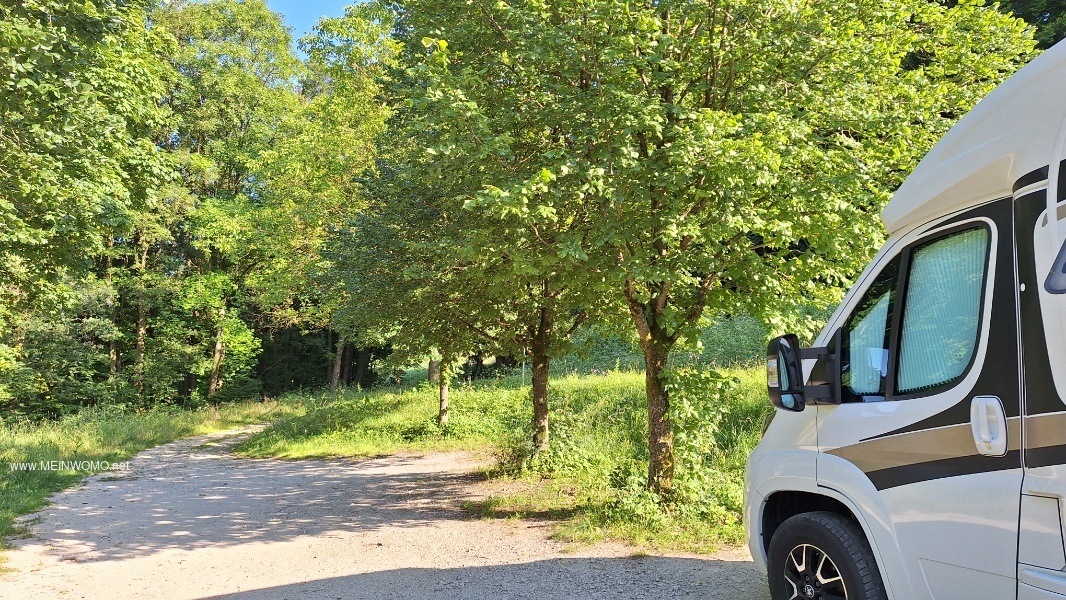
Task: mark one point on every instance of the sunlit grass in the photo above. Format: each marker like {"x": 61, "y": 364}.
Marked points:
{"x": 586, "y": 480}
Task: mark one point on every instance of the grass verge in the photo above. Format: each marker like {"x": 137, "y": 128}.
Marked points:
{"x": 592, "y": 478}
{"x": 97, "y": 435}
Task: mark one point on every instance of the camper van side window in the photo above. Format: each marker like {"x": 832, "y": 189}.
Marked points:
{"x": 865, "y": 340}
{"x": 942, "y": 310}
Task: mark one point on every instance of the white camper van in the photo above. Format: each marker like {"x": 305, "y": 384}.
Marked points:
{"x": 919, "y": 450}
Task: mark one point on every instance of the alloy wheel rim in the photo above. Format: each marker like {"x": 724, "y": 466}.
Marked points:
{"x": 811, "y": 575}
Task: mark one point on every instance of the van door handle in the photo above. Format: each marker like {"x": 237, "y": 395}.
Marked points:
{"x": 989, "y": 425}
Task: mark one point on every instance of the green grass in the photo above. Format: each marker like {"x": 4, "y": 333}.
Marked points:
{"x": 592, "y": 477}
{"x": 99, "y": 434}
{"x": 590, "y": 480}
{"x": 391, "y": 419}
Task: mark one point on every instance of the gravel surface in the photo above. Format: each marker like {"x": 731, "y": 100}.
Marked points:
{"x": 192, "y": 521}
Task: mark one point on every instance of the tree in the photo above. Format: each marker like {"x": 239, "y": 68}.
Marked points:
{"x": 515, "y": 228}
{"x": 313, "y": 177}
{"x": 734, "y": 154}
{"x": 81, "y": 81}
{"x": 1047, "y": 16}
{"x": 82, "y": 84}
{"x": 396, "y": 266}
{"x": 236, "y": 83}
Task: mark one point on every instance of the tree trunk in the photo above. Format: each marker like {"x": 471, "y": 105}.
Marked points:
{"x": 660, "y": 429}
{"x": 541, "y": 360}
{"x": 142, "y": 318}
{"x": 112, "y": 353}
{"x": 329, "y": 366}
{"x": 112, "y": 344}
{"x": 442, "y": 415}
{"x": 540, "y": 402}
{"x": 335, "y": 376}
{"x": 215, "y": 382}
{"x": 362, "y": 364}
{"x": 349, "y": 358}
{"x": 434, "y": 371}
{"x": 138, "y": 357}
{"x": 655, "y": 345}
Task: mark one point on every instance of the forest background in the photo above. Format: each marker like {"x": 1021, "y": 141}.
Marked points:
{"x": 197, "y": 209}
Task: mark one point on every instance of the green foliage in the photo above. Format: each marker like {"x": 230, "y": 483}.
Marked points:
{"x": 81, "y": 85}
{"x": 63, "y": 361}
{"x": 164, "y": 184}
{"x": 242, "y": 352}
{"x": 1048, "y": 17}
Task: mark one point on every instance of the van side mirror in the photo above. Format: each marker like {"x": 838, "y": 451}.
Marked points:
{"x": 784, "y": 372}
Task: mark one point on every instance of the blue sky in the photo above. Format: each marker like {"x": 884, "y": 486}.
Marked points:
{"x": 301, "y": 15}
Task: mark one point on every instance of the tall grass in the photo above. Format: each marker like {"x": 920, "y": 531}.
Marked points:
{"x": 96, "y": 435}
{"x": 592, "y": 477}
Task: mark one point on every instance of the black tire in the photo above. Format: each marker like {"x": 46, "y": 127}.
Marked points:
{"x": 828, "y": 556}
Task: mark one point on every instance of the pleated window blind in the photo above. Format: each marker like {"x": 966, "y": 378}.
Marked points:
{"x": 942, "y": 309}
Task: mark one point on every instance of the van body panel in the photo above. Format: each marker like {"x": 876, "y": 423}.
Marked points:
{"x": 785, "y": 459}
{"x": 1044, "y": 485}
{"x": 1040, "y": 539}
{"x": 1028, "y": 592}
{"x": 753, "y": 508}
{"x": 842, "y": 480}
{"x": 769, "y": 471}
{"x": 945, "y": 503}
{"x": 868, "y": 510}
{"x": 966, "y": 532}
{"x": 1041, "y": 583}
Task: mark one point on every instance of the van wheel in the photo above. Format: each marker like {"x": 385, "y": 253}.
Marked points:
{"x": 822, "y": 556}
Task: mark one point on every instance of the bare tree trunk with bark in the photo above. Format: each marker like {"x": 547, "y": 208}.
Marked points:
{"x": 362, "y": 365}
{"x": 215, "y": 383}
{"x": 138, "y": 356}
{"x": 660, "y": 427}
{"x": 338, "y": 360}
{"x": 445, "y": 375}
{"x": 142, "y": 320}
{"x": 112, "y": 353}
{"x": 655, "y": 344}
{"x": 434, "y": 371}
{"x": 112, "y": 344}
{"x": 541, "y": 362}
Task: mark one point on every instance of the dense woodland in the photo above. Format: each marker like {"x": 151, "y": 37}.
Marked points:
{"x": 196, "y": 208}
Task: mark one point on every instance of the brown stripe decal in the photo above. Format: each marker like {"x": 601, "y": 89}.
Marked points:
{"x": 1045, "y": 440}
{"x": 928, "y": 454}
{"x": 1046, "y": 430}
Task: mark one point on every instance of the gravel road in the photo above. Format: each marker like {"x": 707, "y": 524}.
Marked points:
{"x": 192, "y": 521}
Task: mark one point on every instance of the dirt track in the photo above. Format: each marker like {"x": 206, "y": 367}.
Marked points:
{"x": 191, "y": 521}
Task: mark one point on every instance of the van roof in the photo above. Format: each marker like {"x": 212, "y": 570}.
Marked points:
{"x": 1012, "y": 132}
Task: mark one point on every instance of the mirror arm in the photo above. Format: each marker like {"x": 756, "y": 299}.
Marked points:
{"x": 818, "y": 392}
{"x": 815, "y": 353}
{"x": 831, "y": 392}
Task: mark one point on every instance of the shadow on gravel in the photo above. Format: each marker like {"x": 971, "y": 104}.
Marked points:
{"x": 191, "y": 498}
{"x": 578, "y": 578}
